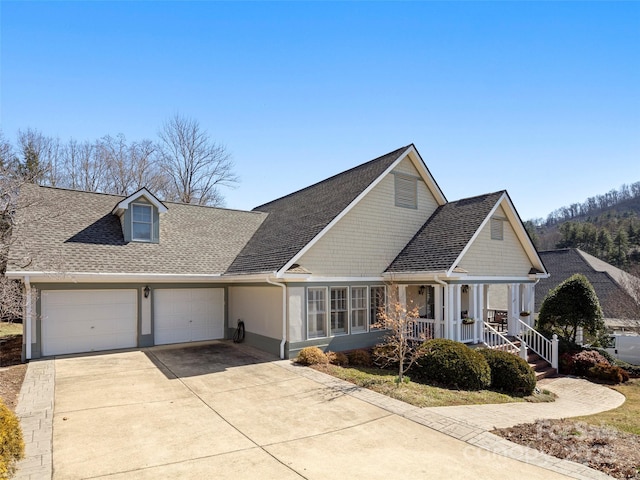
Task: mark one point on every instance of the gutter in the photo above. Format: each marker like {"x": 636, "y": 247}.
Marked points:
{"x": 284, "y": 314}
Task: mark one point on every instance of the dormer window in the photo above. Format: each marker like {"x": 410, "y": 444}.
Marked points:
{"x": 142, "y": 222}
{"x": 139, "y": 216}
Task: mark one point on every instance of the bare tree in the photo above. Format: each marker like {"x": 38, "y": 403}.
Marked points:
{"x": 40, "y": 157}
{"x": 402, "y": 340}
{"x": 195, "y": 165}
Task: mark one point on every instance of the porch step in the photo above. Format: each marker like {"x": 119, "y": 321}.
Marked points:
{"x": 540, "y": 366}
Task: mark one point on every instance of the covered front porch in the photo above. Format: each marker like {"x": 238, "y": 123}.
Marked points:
{"x": 462, "y": 311}
{"x": 465, "y": 313}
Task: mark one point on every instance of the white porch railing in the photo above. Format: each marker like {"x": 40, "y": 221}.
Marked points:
{"x": 495, "y": 339}
{"x": 467, "y": 332}
{"x": 426, "y": 328}
{"x": 545, "y": 348}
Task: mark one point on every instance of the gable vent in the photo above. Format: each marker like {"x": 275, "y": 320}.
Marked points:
{"x": 406, "y": 191}
{"x": 497, "y": 229}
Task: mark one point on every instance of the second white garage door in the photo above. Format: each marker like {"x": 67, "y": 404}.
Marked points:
{"x": 188, "y": 314}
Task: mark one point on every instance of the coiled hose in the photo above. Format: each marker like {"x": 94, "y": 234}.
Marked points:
{"x": 238, "y": 336}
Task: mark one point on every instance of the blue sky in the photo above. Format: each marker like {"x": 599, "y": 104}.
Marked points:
{"x": 540, "y": 98}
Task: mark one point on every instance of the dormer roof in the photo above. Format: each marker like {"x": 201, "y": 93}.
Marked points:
{"x": 143, "y": 192}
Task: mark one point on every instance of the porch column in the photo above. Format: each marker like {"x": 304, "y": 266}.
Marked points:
{"x": 478, "y": 290}
{"x": 473, "y": 309}
{"x": 457, "y": 310}
{"x": 482, "y": 308}
{"x": 448, "y": 306}
{"x": 513, "y": 308}
{"x": 485, "y": 306}
{"x": 438, "y": 307}
{"x": 402, "y": 295}
{"x": 530, "y": 302}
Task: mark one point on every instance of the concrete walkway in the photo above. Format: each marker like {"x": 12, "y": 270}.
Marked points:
{"x": 576, "y": 397}
{"x": 184, "y": 412}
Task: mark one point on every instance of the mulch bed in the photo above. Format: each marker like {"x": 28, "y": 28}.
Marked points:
{"x": 12, "y": 370}
{"x": 607, "y": 450}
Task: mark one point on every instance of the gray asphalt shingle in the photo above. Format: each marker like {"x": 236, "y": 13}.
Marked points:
{"x": 72, "y": 231}
{"x": 296, "y": 219}
{"x": 445, "y": 234}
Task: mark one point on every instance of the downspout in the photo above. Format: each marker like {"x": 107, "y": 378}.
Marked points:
{"x": 27, "y": 323}
{"x": 284, "y": 314}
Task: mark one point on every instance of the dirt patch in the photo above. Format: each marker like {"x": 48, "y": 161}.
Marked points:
{"x": 12, "y": 371}
{"x": 605, "y": 449}
{"x": 11, "y": 379}
{"x": 10, "y": 350}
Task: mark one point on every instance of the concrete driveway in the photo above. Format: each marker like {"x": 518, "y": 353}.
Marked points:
{"x": 222, "y": 411}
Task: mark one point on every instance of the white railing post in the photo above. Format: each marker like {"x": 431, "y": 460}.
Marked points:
{"x": 554, "y": 352}
{"x": 523, "y": 350}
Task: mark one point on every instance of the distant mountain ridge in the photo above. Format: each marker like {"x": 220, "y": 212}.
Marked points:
{"x": 606, "y": 226}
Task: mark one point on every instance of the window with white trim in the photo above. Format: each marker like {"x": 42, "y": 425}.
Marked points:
{"x": 497, "y": 229}
{"x": 406, "y": 191}
{"x": 141, "y": 222}
{"x": 339, "y": 310}
{"x": 316, "y": 312}
{"x": 358, "y": 309}
{"x": 376, "y": 303}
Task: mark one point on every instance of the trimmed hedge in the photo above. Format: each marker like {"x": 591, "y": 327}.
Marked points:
{"x": 337, "y": 358}
{"x": 609, "y": 373}
{"x": 311, "y": 356}
{"x": 359, "y": 358}
{"x": 509, "y": 373}
{"x": 11, "y": 443}
{"x": 453, "y": 364}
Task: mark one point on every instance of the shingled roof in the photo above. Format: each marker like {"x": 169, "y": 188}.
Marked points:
{"x": 73, "y": 231}
{"x": 605, "y": 278}
{"x": 442, "y": 238}
{"x": 296, "y": 219}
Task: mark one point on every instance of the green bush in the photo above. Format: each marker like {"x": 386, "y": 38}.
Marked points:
{"x": 609, "y": 373}
{"x": 312, "y": 356}
{"x": 337, "y": 358}
{"x": 359, "y": 358}
{"x": 11, "y": 443}
{"x": 509, "y": 373}
{"x": 453, "y": 364}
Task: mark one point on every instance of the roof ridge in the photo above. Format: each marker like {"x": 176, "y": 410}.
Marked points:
{"x": 357, "y": 167}
{"x": 115, "y": 195}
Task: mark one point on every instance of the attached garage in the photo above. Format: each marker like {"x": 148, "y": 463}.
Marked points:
{"x": 75, "y": 321}
{"x": 188, "y": 314}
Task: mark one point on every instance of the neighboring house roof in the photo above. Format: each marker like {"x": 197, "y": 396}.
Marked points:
{"x": 606, "y": 279}
{"x": 296, "y": 219}
{"x": 441, "y": 240}
{"x": 85, "y": 236}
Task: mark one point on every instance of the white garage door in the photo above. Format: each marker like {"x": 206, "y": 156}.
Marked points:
{"x": 188, "y": 314}
{"x": 75, "y": 321}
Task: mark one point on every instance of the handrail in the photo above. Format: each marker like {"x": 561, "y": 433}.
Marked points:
{"x": 545, "y": 348}
{"x": 496, "y": 340}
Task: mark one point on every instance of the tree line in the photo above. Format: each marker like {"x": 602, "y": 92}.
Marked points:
{"x": 183, "y": 164}
{"x": 591, "y": 206}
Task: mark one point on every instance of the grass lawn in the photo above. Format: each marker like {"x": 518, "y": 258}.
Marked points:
{"x": 627, "y": 416}
{"x": 10, "y": 329}
{"x": 417, "y": 394}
